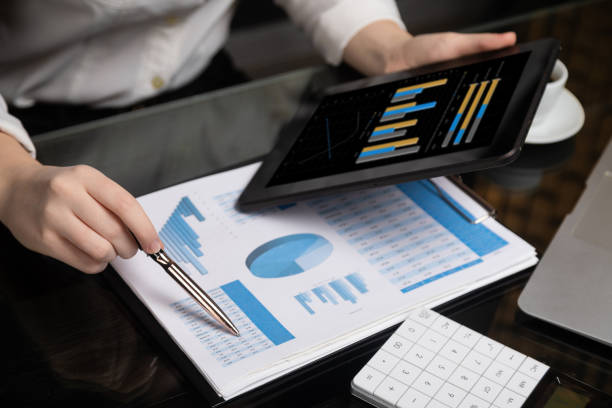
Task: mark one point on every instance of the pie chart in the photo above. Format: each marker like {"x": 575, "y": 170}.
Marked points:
{"x": 288, "y": 255}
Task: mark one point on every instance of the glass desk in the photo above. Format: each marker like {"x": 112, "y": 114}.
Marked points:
{"x": 69, "y": 338}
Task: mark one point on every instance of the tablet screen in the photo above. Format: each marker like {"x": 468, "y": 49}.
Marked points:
{"x": 437, "y": 113}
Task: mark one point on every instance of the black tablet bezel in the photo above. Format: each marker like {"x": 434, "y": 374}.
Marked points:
{"x": 505, "y": 146}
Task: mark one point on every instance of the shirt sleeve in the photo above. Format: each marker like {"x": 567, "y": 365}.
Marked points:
{"x": 332, "y": 23}
{"x": 12, "y": 126}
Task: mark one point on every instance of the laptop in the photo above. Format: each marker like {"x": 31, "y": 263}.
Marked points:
{"x": 572, "y": 285}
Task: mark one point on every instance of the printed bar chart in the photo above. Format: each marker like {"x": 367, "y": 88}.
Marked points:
{"x": 387, "y": 150}
{"x": 257, "y": 313}
{"x": 410, "y": 92}
{"x": 468, "y": 117}
{"x": 391, "y": 131}
{"x": 259, "y": 329}
{"x": 455, "y": 122}
{"x": 342, "y": 288}
{"x": 346, "y": 289}
{"x": 304, "y": 299}
{"x": 357, "y": 281}
{"x": 481, "y": 111}
{"x": 180, "y": 239}
{"x": 324, "y": 294}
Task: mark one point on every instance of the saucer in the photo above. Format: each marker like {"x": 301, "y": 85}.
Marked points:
{"x": 563, "y": 121}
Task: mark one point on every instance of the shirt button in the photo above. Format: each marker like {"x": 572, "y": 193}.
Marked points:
{"x": 172, "y": 20}
{"x": 157, "y": 82}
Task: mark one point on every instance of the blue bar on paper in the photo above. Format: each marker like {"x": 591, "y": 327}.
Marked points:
{"x": 192, "y": 208}
{"x": 357, "y": 281}
{"x": 257, "y": 313}
{"x": 324, "y": 294}
{"x": 192, "y": 259}
{"x": 477, "y": 237}
{"x": 303, "y": 299}
{"x": 343, "y": 290}
{"x": 180, "y": 238}
{"x": 409, "y": 109}
{"x": 440, "y": 275}
{"x": 319, "y": 292}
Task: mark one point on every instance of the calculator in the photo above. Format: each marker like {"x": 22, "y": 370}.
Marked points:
{"x": 432, "y": 361}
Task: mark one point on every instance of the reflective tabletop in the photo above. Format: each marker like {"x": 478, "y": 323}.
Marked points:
{"x": 70, "y": 338}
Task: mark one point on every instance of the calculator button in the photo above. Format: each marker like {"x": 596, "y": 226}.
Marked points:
{"x": 441, "y": 367}
{"x": 424, "y": 316}
{"x": 411, "y": 330}
{"x": 368, "y": 379}
{"x": 397, "y": 345}
{"x": 486, "y": 389}
{"x": 467, "y": 336}
{"x": 390, "y": 390}
{"x": 433, "y": 340}
{"x": 533, "y": 368}
{"x": 488, "y": 347}
{"x": 509, "y": 399}
{"x": 476, "y": 362}
{"x": 463, "y": 378}
{"x": 511, "y": 358}
{"x": 472, "y": 401}
{"x": 419, "y": 356}
{"x": 413, "y": 399}
{"x": 450, "y": 395}
{"x": 405, "y": 372}
{"x": 436, "y": 404}
{"x": 522, "y": 384}
{"x": 498, "y": 372}
{"x": 445, "y": 326}
{"x": 427, "y": 383}
{"x": 383, "y": 361}
{"x": 454, "y": 351}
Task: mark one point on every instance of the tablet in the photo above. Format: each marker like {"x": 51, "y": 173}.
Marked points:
{"x": 458, "y": 116}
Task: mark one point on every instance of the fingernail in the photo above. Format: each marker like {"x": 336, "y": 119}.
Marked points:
{"x": 155, "y": 247}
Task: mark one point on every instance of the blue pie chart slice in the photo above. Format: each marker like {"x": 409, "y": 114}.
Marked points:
{"x": 288, "y": 255}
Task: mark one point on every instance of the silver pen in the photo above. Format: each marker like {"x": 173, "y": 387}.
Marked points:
{"x": 194, "y": 290}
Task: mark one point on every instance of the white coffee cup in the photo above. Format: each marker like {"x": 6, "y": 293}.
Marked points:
{"x": 552, "y": 92}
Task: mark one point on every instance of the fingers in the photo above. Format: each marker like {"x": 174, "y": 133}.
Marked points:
{"x": 65, "y": 251}
{"x": 107, "y": 225}
{"x": 464, "y": 44}
{"x": 85, "y": 239}
{"x": 76, "y": 215}
{"x": 127, "y": 209}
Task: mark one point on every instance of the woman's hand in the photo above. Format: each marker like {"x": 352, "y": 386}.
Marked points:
{"x": 384, "y": 47}
{"x": 74, "y": 214}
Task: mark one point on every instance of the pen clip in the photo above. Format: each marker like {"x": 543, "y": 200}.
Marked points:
{"x": 161, "y": 258}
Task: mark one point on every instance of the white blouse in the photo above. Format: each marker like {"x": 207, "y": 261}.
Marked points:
{"x": 112, "y": 53}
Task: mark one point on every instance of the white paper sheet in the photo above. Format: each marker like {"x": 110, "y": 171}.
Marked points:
{"x": 306, "y": 279}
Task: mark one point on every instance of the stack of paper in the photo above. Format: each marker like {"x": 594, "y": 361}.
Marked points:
{"x": 306, "y": 279}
